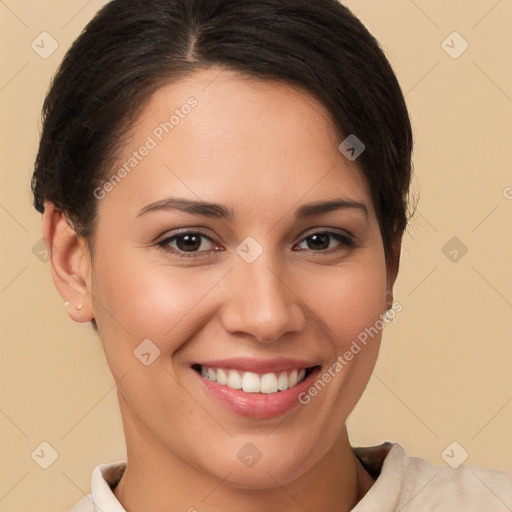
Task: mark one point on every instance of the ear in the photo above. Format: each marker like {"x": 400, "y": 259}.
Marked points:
{"x": 70, "y": 263}
{"x": 392, "y": 266}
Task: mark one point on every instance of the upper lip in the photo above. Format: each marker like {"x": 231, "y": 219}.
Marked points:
{"x": 246, "y": 364}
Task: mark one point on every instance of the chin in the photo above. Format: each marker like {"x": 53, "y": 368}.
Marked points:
{"x": 274, "y": 468}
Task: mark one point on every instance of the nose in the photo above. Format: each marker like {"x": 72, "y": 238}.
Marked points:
{"x": 261, "y": 302}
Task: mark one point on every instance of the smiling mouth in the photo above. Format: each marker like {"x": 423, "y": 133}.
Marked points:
{"x": 251, "y": 382}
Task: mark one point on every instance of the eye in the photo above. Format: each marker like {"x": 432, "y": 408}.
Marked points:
{"x": 189, "y": 244}
{"x": 194, "y": 244}
{"x": 321, "y": 241}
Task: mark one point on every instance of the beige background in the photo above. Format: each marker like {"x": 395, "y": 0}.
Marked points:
{"x": 444, "y": 370}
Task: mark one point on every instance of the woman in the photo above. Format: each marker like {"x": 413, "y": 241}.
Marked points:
{"x": 224, "y": 189}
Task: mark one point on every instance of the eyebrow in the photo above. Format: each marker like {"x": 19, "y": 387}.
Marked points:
{"x": 206, "y": 209}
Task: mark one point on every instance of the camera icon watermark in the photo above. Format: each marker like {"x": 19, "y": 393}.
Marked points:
{"x": 146, "y": 352}
{"x": 454, "y": 249}
{"x": 249, "y": 455}
{"x": 249, "y": 250}
{"x": 454, "y": 455}
{"x": 44, "y": 455}
{"x": 352, "y": 147}
{"x": 40, "y": 251}
{"x": 454, "y": 45}
{"x": 44, "y": 45}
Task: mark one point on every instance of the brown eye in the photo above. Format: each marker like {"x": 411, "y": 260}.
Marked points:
{"x": 321, "y": 241}
{"x": 188, "y": 242}
{"x": 318, "y": 241}
{"x": 189, "y": 245}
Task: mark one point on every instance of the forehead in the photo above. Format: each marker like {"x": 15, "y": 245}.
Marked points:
{"x": 224, "y": 137}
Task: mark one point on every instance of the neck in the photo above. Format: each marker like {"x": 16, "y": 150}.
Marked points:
{"x": 156, "y": 479}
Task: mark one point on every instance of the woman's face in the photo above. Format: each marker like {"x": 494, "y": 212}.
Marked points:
{"x": 260, "y": 284}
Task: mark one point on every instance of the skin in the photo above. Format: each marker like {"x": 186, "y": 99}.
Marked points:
{"x": 261, "y": 149}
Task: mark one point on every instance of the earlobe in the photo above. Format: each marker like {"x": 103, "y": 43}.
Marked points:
{"x": 69, "y": 262}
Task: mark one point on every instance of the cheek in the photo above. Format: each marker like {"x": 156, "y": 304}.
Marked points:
{"x": 353, "y": 301}
{"x": 138, "y": 300}
{"x": 351, "y": 307}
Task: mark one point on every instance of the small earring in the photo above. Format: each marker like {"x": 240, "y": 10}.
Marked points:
{"x": 78, "y": 307}
{"x": 388, "y": 317}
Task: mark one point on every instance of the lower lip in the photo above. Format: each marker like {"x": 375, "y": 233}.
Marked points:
{"x": 258, "y": 405}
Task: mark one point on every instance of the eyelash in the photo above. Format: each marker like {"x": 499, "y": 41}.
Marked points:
{"x": 346, "y": 240}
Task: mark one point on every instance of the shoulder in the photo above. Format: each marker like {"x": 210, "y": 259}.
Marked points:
{"x": 468, "y": 487}
{"x": 406, "y": 482}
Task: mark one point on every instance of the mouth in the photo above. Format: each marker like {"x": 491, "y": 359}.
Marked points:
{"x": 254, "y": 388}
{"x": 251, "y": 382}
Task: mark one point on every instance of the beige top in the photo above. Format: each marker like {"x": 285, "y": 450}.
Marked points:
{"x": 403, "y": 483}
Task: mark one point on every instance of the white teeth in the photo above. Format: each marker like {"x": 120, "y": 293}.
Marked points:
{"x": 222, "y": 377}
{"x": 269, "y": 383}
{"x": 251, "y": 382}
{"x": 234, "y": 380}
{"x": 282, "y": 381}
